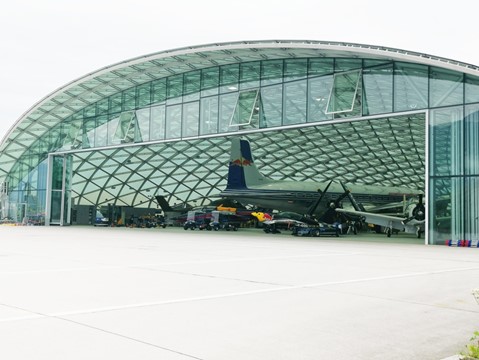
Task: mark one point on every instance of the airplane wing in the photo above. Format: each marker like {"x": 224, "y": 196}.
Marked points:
{"x": 388, "y": 222}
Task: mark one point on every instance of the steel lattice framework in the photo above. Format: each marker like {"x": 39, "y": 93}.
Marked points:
{"x": 388, "y": 151}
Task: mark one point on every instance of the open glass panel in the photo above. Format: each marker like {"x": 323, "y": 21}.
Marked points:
{"x": 246, "y": 105}
{"x": 123, "y": 130}
{"x": 344, "y": 91}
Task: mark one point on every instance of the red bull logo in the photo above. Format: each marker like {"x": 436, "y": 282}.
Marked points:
{"x": 261, "y": 216}
{"x": 241, "y": 162}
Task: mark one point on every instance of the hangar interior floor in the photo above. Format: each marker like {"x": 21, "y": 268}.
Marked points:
{"x": 121, "y": 293}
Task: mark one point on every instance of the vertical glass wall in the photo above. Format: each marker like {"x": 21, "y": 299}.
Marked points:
{"x": 454, "y": 174}
{"x": 58, "y": 210}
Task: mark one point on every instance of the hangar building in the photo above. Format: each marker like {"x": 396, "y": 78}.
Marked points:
{"x": 312, "y": 110}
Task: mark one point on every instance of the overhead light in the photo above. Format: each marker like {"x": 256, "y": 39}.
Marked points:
{"x": 232, "y": 88}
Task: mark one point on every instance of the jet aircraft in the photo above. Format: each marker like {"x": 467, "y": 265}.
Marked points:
{"x": 246, "y": 184}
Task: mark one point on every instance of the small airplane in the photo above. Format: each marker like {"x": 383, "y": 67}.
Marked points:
{"x": 413, "y": 222}
{"x": 246, "y": 184}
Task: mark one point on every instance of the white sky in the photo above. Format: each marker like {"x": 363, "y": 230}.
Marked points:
{"x": 48, "y": 43}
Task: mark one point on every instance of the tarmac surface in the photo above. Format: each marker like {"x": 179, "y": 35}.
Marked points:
{"x": 169, "y": 294}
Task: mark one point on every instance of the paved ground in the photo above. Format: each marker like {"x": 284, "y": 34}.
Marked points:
{"x": 169, "y": 294}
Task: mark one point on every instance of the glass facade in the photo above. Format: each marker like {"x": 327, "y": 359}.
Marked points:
{"x": 238, "y": 96}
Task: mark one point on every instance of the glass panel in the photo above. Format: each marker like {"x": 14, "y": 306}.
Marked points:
{"x": 102, "y": 107}
{"x": 173, "y": 121}
{"x": 72, "y": 132}
{"x": 101, "y": 131}
{"x": 158, "y": 88}
{"x": 471, "y": 132}
{"x": 272, "y": 99}
{"x": 124, "y": 125}
{"x": 410, "y": 87}
{"x": 295, "y": 69}
{"x": 158, "y": 115}
{"x": 472, "y": 89}
{"x": 192, "y": 85}
{"x": 143, "y": 95}
{"x": 115, "y": 103}
{"x": 378, "y": 90}
{"x": 343, "y": 94}
{"x": 445, "y": 87}
{"x": 210, "y": 81}
{"x": 174, "y": 89}
{"x": 271, "y": 72}
{"x": 471, "y": 215}
{"x": 89, "y": 111}
{"x": 227, "y": 106}
{"x": 56, "y": 207}
{"x": 88, "y": 133}
{"x": 446, "y": 144}
{"x": 112, "y": 126}
{"x": 57, "y": 173}
{"x": 244, "y": 108}
{"x": 257, "y": 114}
{"x": 67, "y": 195}
{"x": 372, "y": 62}
{"x": 319, "y": 89}
{"x": 229, "y": 77}
{"x": 321, "y": 66}
{"x": 250, "y": 75}
{"x": 191, "y": 118}
{"x": 143, "y": 119}
{"x": 209, "y": 116}
{"x": 446, "y": 209}
{"x": 341, "y": 64}
{"x": 294, "y": 104}
{"x": 129, "y": 99}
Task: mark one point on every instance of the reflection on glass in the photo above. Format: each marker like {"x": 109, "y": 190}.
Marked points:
{"x": 378, "y": 90}
{"x": 143, "y": 119}
{"x": 410, "y": 87}
{"x": 209, "y": 116}
{"x": 190, "y": 119}
{"x": 294, "y": 103}
{"x": 173, "y": 121}
{"x": 445, "y": 87}
{"x": 157, "y": 129}
{"x": 123, "y": 130}
{"x": 446, "y": 144}
{"x": 318, "y": 94}
{"x": 227, "y": 106}
{"x": 272, "y": 100}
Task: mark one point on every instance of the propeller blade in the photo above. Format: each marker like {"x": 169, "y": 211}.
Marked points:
{"x": 315, "y": 205}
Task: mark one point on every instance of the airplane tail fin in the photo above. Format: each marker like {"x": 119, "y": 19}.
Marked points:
{"x": 242, "y": 171}
{"x": 163, "y": 203}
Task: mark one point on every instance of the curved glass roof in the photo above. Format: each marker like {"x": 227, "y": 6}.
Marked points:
{"x": 392, "y": 149}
